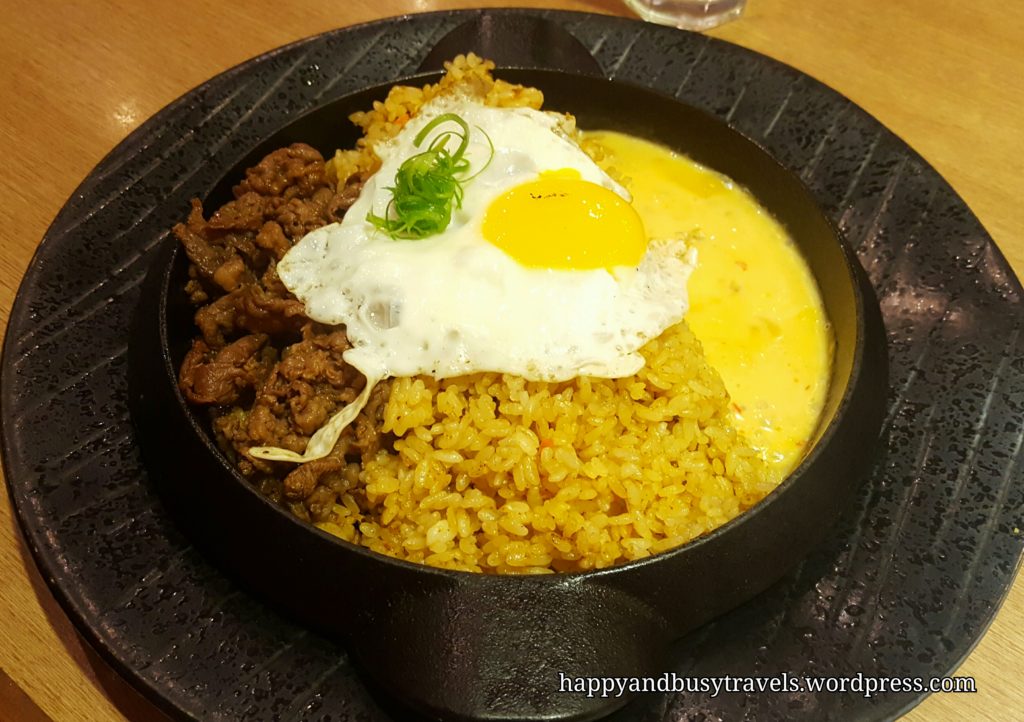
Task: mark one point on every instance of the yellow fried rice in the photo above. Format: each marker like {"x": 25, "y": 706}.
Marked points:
{"x": 493, "y": 473}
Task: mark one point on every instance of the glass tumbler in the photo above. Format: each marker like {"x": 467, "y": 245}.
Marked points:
{"x": 687, "y": 14}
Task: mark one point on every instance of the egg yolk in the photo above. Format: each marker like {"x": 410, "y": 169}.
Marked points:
{"x": 562, "y": 221}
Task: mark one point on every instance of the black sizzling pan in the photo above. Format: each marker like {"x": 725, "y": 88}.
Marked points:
{"x": 456, "y": 645}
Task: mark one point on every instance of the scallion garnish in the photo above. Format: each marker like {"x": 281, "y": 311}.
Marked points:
{"x": 428, "y": 185}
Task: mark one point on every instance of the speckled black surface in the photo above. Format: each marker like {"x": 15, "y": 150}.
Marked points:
{"x": 910, "y": 580}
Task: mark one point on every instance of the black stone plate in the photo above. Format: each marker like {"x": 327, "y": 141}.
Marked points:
{"x": 908, "y": 583}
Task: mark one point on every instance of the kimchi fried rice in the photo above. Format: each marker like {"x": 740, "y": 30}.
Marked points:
{"x": 487, "y": 472}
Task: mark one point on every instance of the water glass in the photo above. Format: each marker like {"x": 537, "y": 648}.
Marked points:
{"x": 687, "y": 14}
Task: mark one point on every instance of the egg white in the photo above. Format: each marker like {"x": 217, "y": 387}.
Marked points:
{"x": 453, "y": 303}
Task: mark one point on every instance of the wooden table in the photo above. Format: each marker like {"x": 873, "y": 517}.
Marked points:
{"x": 78, "y": 77}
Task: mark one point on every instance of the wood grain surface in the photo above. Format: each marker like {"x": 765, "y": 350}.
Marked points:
{"x": 77, "y": 77}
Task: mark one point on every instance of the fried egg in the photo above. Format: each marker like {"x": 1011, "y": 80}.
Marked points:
{"x": 545, "y": 270}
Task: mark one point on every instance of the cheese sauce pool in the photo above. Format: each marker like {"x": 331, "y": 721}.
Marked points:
{"x": 754, "y": 304}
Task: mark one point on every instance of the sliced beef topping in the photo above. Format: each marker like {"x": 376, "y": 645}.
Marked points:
{"x": 269, "y": 375}
{"x": 295, "y": 170}
{"x": 268, "y": 307}
{"x": 219, "y": 377}
{"x": 245, "y": 213}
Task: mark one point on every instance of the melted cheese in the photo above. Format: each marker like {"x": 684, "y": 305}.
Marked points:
{"x": 754, "y": 304}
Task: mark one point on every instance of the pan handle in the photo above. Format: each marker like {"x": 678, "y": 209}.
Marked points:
{"x": 515, "y": 41}
{"x": 506, "y": 648}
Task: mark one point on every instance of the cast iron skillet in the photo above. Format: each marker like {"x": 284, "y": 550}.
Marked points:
{"x": 471, "y": 646}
